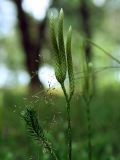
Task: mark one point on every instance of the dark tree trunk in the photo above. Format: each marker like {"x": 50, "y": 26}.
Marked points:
{"x": 85, "y": 13}
{"x": 32, "y": 48}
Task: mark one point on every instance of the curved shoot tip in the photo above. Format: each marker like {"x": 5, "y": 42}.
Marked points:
{"x": 70, "y": 32}
{"x": 61, "y": 12}
{"x": 70, "y": 29}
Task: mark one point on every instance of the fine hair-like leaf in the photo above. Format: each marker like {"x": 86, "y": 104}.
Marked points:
{"x": 108, "y": 54}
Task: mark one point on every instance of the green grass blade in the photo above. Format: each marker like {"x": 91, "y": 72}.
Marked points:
{"x": 108, "y": 54}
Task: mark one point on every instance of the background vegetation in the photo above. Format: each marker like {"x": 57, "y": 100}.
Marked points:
{"x": 25, "y": 51}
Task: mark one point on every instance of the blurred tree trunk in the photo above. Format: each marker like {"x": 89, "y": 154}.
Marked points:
{"x": 85, "y": 12}
{"x": 32, "y": 47}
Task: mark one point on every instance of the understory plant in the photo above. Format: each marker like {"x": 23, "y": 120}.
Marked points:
{"x": 61, "y": 52}
{"x": 63, "y": 65}
{"x": 87, "y": 93}
{"x": 37, "y": 133}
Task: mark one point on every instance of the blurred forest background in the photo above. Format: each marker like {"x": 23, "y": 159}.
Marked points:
{"x": 26, "y": 70}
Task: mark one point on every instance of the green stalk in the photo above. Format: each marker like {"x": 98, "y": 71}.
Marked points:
{"x": 88, "y": 94}
{"x": 51, "y": 151}
{"x": 89, "y": 127}
{"x": 63, "y": 60}
{"x": 69, "y": 129}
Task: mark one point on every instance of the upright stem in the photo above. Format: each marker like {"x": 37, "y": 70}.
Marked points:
{"x": 69, "y": 132}
{"x": 69, "y": 129}
{"x": 89, "y": 131}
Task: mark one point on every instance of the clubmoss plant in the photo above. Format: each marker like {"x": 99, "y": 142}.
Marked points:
{"x": 87, "y": 89}
{"x": 63, "y": 64}
{"x": 61, "y": 52}
{"x": 37, "y": 132}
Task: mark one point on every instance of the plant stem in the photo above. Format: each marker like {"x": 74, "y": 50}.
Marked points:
{"x": 69, "y": 129}
{"x": 89, "y": 126}
{"x": 51, "y": 151}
